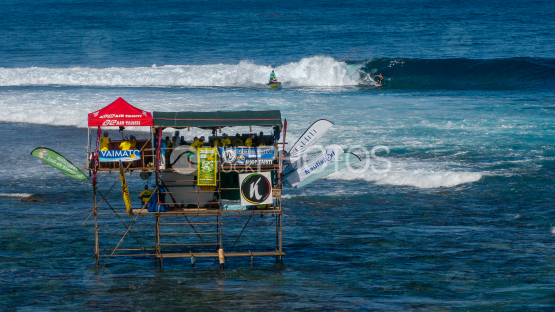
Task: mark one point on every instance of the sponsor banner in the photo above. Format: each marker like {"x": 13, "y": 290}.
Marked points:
{"x": 282, "y": 152}
{"x": 117, "y": 155}
{"x": 248, "y": 155}
{"x": 299, "y": 163}
{"x": 120, "y": 115}
{"x": 125, "y": 190}
{"x": 256, "y": 188}
{"x": 311, "y": 136}
{"x": 343, "y": 160}
{"x": 115, "y": 122}
{"x": 207, "y": 166}
{"x": 59, "y": 162}
{"x": 315, "y": 165}
{"x": 98, "y": 134}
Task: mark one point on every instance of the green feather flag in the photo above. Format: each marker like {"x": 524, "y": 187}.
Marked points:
{"x": 59, "y": 162}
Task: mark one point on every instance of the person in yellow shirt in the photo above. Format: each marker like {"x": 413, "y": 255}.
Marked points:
{"x": 105, "y": 142}
{"x": 248, "y": 142}
{"x": 225, "y": 140}
{"x": 237, "y": 141}
{"x": 133, "y": 142}
{"x": 217, "y": 143}
{"x": 198, "y": 142}
{"x": 260, "y": 141}
{"x": 125, "y": 145}
{"x": 168, "y": 142}
{"x": 145, "y": 195}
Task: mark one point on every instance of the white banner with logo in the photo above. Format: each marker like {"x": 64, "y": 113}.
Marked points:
{"x": 311, "y": 136}
{"x": 248, "y": 155}
{"x": 256, "y": 188}
{"x": 315, "y": 165}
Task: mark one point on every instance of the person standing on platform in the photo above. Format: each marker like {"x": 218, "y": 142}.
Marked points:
{"x": 133, "y": 142}
{"x": 248, "y": 142}
{"x": 105, "y": 142}
{"x": 125, "y": 145}
{"x": 176, "y": 139}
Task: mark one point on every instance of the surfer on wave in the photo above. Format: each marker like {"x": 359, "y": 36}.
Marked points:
{"x": 380, "y": 78}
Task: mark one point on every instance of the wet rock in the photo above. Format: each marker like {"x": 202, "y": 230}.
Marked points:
{"x": 33, "y": 200}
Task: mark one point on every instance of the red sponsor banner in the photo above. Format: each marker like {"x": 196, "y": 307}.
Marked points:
{"x": 98, "y": 134}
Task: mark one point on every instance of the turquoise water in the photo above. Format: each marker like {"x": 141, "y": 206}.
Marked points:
{"x": 452, "y": 213}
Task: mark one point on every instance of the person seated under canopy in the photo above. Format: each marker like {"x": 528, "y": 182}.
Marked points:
{"x": 248, "y": 142}
{"x": 225, "y": 141}
{"x": 198, "y": 142}
{"x": 260, "y": 141}
{"x": 237, "y": 141}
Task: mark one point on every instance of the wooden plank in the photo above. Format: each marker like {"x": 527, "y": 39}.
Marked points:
{"x": 192, "y": 223}
{"x": 194, "y": 244}
{"x": 137, "y": 255}
{"x": 174, "y": 234}
{"x": 203, "y": 212}
{"x": 215, "y": 254}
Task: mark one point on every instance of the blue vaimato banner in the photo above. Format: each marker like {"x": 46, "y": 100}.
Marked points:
{"x": 248, "y": 155}
{"x": 117, "y": 155}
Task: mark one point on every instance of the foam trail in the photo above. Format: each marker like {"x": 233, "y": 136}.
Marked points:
{"x": 317, "y": 71}
{"x": 18, "y": 195}
{"x": 410, "y": 175}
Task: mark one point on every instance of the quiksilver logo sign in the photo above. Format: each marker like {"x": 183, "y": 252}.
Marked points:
{"x": 256, "y": 188}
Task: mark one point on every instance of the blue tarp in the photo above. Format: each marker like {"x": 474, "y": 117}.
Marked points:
{"x": 153, "y": 206}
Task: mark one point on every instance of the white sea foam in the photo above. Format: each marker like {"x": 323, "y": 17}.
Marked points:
{"x": 20, "y": 195}
{"x": 289, "y": 196}
{"x": 317, "y": 71}
{"x": 417, "y": 174}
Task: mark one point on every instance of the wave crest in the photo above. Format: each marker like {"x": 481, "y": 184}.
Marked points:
{"x": 317, "y": 71}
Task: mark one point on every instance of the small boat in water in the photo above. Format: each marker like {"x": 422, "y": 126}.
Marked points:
{"x": 274, "y": 84}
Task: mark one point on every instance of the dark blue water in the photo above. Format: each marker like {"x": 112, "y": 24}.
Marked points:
{"x": 142, "y": 33}
{"x": 462, "y": 220}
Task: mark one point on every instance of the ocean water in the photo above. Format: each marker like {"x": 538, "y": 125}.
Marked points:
{"x": 452, "y": 211}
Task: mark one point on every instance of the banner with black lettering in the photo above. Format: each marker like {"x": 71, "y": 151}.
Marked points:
{"x": 125, "y": 190}
{"x": 314, "y": 133}
{"x": 315, "y": 165}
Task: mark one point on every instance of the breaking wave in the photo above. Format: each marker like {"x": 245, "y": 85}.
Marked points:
{"x": 318, "y": 71}
{"x": 460, "y": 74}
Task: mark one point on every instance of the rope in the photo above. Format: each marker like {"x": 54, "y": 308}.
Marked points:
{"x": 252, "y": 214}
